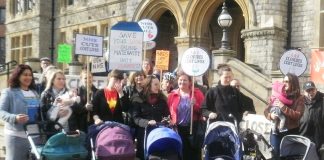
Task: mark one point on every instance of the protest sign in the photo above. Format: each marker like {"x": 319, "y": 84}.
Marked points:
{"x": 149, "y": 28}
{"x": 317, "y": 66}
{"x": 195, "y": 61}
{"x": 98, "y": 65}
{"x": 88, "y": 45}
{"x": 293, "y": 61}
{"x": 126, "y": 44}
{"x": 162, "y": 59}
{"x": 64, "y": 53}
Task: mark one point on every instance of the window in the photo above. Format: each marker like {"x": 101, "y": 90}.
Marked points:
{"x": 104, "y": 33}
{"x": 70, "y": 2}
{"x": 28, "y": 4}
{"x": 15, "y": 49}
{"x": 2, "y": 50}
{"x": 2, "y": 15}
{"x": 90, "y": 30}
{"x": 62, "y": 38}
{"x": 26, "y": 46}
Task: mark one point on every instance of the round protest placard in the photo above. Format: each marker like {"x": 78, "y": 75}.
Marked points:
{"x": 149, "y": 28}
{"x": 293, "y": 61}
{"x": 195, "y": 61}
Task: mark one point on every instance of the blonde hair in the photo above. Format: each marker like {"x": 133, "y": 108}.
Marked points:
{"x": 51, "y": 77}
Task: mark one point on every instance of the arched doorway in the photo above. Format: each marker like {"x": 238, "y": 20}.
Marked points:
{"x": 167, "y": 30}
{"x": 234, "y": 31}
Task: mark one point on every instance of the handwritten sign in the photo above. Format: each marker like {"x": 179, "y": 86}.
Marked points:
{"x": 149, "y": 28}
{"x": 88, "y": 45}
{"x": 162, "y": 59}
{"x": 195, "y": 61}
{"x": 126, "y": 44}
{"x": 293, "y": 61}
{"x": 150, "y": 45}
{"x": 98, "y": 65}
{"x": 64, "y": 53}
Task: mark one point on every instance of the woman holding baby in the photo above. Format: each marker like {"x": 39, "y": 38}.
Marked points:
{"x": 292, "y": 111}
{"x": 57, "y": 102}
{"x": 19, "y": 104}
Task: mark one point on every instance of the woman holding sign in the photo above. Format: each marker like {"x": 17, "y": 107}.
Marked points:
{"x": 180, "y": 102}
{"x": 19, "y": 104}
{"x": 292, "y": 112}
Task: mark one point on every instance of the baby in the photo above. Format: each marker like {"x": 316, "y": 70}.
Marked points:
{"x": 64, "y": 101}
{"x": 278, "y": 92}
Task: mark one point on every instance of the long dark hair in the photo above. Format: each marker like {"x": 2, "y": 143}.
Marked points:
{"x": 16, "y": 73}
{"x": 147, "y": 87}
{"x": 294, "y": 91}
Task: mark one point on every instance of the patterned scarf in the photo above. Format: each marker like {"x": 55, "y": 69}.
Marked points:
{"x": 111, "y": 97}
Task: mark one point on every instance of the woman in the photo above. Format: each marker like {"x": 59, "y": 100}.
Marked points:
{"x": 110, "y": 102}
{"x": 179, "y": 102}
{"x": 223, "y": 99}
{"x": 19, "y": 104}
{"x": 50, "y": 98}
{"x": 83, "y": 115}
{"x": 148, "y": 109}
{"x": 292, "y": 112}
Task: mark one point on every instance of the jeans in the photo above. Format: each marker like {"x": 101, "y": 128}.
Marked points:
{"x": 17, "y": 148}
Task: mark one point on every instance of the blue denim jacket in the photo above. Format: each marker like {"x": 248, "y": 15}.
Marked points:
{"x": 12, "y": 102}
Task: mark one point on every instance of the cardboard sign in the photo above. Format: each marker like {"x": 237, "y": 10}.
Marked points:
{"x": 195, "y": 61}
{"x": 149, "y": 28}
{"x": 98, "y": 65}
{"x": 293, "y": 61}
{"x": 126, "y": 47}
{"x": 317, "y": 66}
{"x": 88, "y": 45}
{"x": 64, "y": 53}
{"x": 162, "y": 59}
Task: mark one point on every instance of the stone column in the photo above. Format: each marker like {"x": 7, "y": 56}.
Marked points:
{"x": 264, "y": 46}
{"x": 182, "y": 45}
{"x": 34, "y": 63}
{"x": 75, "y": 68}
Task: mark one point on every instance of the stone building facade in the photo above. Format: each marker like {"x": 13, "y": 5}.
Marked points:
{"x": 2, "y": 31}
{"x": 261, "y": 30}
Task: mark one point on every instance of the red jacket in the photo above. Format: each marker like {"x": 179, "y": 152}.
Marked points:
{"x": 174, "y": 100}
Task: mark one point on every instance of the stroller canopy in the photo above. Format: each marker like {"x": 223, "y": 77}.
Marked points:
{"x": 222, "y": 141}
{"x": 297, "y": 147}
{"x": 163, "y": 139}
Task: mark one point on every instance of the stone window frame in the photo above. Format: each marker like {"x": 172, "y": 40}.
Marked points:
{"x": 104, "y": 31}
{"x": 15, "y": 49}
{"x": 26, "y": 46}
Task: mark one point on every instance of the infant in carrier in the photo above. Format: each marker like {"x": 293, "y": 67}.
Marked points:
{"x": 278, "y": 92}
{"x": 64, "y": 101}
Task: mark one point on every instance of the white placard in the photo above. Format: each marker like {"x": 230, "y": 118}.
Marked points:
{"x": 195, "y": 61}
{"x": 150, "y": 45}
{"x": 88, "y": 45}
{"x": 98, "y": 65}
{"x": 149, "y": 28}
{"x": 125, "y": 51}
{"x": 293, "y": 61}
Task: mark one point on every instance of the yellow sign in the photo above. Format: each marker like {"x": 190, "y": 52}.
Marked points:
{"x": 162, "y": 59}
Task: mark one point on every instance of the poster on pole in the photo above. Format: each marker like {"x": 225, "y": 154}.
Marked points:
{"x": 195, "y": 61}
{"x": 149, "y": 28}
{"x": 126, "y": 47}
{"x": 64, "y": 53}
{"x": 293, "y": 61}
{"x": 317, "y": 66}
{"x": 98, "y": 65}
{"x": 162, "y": 59}
{"x": 88, "y": 45}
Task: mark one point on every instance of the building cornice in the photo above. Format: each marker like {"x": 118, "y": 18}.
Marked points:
{"x": 264, "y": 32}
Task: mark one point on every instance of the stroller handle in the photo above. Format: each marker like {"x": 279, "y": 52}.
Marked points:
{"x": 43, "y": 123}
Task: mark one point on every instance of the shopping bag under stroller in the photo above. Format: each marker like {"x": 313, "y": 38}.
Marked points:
{"x": 162, "y": 142}
{"x": 295, "y": 147}
{"x": 61, "y": 145}
{"x": 222, "y": 141}
{"x": 111, "y": 141}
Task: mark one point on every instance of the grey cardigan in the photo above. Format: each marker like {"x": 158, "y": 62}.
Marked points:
{"x": 12, "y": 102}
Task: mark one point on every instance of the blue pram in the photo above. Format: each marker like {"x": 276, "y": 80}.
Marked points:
{"x": 222, "y": 141}
{"x": 162, "y": 143}
{"x": 51, "y": 145}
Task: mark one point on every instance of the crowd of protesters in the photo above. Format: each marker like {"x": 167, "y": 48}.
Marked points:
{"x": 144, "y": 98}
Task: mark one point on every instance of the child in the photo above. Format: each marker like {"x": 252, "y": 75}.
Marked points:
{"x": 278, "y": 92}
{"x": 64, "y": 101}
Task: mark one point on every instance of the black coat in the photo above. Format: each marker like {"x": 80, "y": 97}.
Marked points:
{"x": 101, "y": 107}
{"x": 223, "y": 100}
{"x": 312, "y": 121}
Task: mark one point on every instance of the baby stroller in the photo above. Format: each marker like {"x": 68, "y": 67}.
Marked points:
{"x": 255, "y": 146}
{"x": 162, "y": 142}
{"x": 113, "y": 141}
{"x": 222, "y": 141}
{"x": 295, "y": 147}
{"x": 51, "y": 145}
